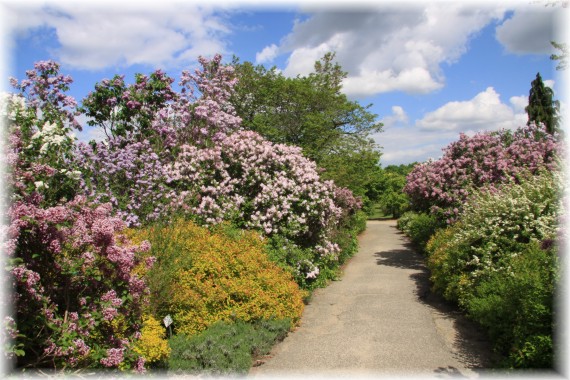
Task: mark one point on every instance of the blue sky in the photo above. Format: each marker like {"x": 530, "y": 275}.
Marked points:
{"x": 431, "y": 70}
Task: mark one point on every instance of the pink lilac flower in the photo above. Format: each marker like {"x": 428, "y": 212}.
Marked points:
{"x": 114, "y": 357}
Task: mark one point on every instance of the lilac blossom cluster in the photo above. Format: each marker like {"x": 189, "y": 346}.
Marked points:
{"x": 483, "y": 160}
{"x": 45, "y": 91}
{"x": 209, "y": 116}
{"x": 129, "y": 175}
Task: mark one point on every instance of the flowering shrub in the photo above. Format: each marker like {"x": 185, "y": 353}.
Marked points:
{"x": 486, "y": 159}
{"x": 120, "y": 109}
{"x": 503, "y": 252}
{"x": 152, "y": 345}
{"x": 213, "y": 116}
{"x": 129, "y": 175}
{"x": 77, "y": 303}
{"x": 40, "y": 123}
{"x": 145, "y": 125}
{"x": 201, "y": 277}
{"x": 75, "y": 299}
{"x": 264, "y": 186}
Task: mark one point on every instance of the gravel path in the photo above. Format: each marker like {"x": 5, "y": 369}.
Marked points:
{"x": 379, "y": 320}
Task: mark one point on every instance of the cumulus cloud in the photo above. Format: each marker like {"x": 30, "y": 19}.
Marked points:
{"x": 403, "y": 142}
{"x": 95, "y": 35}
{"x": 398, "y": 116}
{"x": 484, "y": 112}
{"x": 529, "y": 31}
{"x": 388, "y": 48}
{"x": 268, "y": 54}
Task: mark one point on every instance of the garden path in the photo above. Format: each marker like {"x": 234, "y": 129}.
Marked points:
{"x": 379, "y": 319}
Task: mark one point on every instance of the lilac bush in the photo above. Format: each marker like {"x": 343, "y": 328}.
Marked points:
{"x": 258, "y": 185}
{"x": 76, "y": 294}
{"x": 146, "y": 123}
{"x": 485, "y": 160}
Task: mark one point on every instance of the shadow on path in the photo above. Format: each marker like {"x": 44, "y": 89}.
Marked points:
{"x": 469, "y": 342}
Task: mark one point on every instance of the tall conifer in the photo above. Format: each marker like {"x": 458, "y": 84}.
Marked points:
{"x": 542, "y": 109}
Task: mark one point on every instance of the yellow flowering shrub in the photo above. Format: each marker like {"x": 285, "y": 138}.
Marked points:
{"x": 152, "y": 345}
{"x": 202, "y": 276}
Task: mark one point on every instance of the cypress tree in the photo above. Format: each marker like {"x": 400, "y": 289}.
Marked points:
{"x": 542, "y": 109}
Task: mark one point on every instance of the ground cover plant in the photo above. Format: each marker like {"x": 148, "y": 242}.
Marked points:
{"x": 225, "y": 348}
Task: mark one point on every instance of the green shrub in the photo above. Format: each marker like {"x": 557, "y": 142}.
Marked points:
{"x": 516, "y": 306}
{"x": 419, "y": 227}
{"x": 404, "y": 220}
{"x": 446, "y": 261}
{"x": 225, "y": 347}
{"x": 499, "y": 263}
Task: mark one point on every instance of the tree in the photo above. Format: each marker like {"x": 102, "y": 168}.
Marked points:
{"x": 311, "y": 112}
{"x": 392, "y": 198}
{"x": 542, "y": 109}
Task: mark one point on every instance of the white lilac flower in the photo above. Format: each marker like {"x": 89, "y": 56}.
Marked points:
{"x": 40, "y": 184}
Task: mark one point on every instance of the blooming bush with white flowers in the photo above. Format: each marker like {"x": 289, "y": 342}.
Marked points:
{"x": 500, "y": 263}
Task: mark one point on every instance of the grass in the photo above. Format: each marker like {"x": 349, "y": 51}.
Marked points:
{"x": 378, "y": 214}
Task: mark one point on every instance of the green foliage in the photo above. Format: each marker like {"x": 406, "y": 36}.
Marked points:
{"x": 419, "y": 227}
{"x": 202, "y": 276}
{"x": 516, "y": 306}
{"x": 562, "y": 57}
{"x": 225, "y": 348}
{"x": 500, "y": 264}
{"x": 542, "y": 108}
{"x": 392, "y": 199}
{"x": 354, "y": 166}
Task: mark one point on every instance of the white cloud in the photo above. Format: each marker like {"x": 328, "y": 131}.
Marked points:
{"x": 392, "y": 47}
{"x": 95, "y": 35}
{"x": 398, "y": 116}
{"x": 417, "y": 80}
{"x": 402, "y": 142}
{"x": 529, "y": 31}
{"x": 268, "y": 54}
{"x": 519, "y": 103}
{"x": 484, "y": 112}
